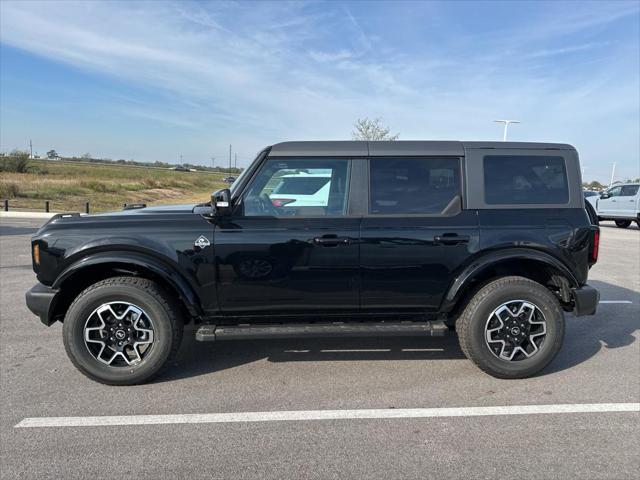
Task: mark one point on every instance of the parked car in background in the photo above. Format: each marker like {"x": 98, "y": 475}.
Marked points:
{"x": 230, "y": 179}
{"x": 302, "y": 189}
{"x": 620, "y": 203}
{"x": 592, "y": 197}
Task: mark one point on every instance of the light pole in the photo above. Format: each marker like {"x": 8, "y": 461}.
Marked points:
{"x": 613, "y": 171}
{"x": 506, "y": 127}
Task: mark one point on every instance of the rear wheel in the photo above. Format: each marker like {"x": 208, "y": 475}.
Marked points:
{"x": 623, "y": 223}
{"x": 122, "y": 330}
{"x": 511, "y": 328}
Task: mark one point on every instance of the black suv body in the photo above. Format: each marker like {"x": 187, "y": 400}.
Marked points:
{"x": 333, "y": 238}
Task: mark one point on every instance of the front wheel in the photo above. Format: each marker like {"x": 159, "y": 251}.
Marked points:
{"x": 511, "y": 328}
{"x": 122, "y": 330}
{"x": 623, "y": 223}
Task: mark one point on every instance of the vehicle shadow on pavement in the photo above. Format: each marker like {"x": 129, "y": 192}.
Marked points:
{"x": 612, "y": 327}
{"x": 196, "y": 358}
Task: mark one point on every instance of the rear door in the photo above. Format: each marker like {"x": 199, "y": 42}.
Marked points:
{"x": 415, "y": 235}
{"x": 288, "y": 248}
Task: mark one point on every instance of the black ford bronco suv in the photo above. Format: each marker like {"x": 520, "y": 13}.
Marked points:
{"x": 489, "y": 239}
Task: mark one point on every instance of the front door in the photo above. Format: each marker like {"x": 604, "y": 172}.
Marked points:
{"x": 415, "y": 236}
{"x": 609, "y": 206}
{"x": 290, "y": 247}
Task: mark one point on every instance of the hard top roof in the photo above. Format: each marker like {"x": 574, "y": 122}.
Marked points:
{"x": 399, "y": 147}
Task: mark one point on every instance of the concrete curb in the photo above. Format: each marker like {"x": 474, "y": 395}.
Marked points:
{"x": 27, "y": 214}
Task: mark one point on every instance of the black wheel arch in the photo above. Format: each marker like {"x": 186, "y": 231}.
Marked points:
{"x": 535, "y": 265}
{"x": 94, "y": 268}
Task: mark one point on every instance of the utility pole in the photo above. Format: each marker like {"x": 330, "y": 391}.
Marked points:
{"x": 235, "y": 161}
{"x": 30, "y": 149}
{"x": 229, "y": 155}
{"x": 613, "y": 171}
{"x": 506, "y": 127}
{"x": 213, "y": 162}
{"x": 181, "y": 159}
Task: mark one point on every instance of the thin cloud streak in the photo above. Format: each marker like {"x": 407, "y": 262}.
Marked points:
{"x": 303, "y": 71}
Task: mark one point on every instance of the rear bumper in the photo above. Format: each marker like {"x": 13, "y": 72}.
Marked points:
{"x": 39, "y": 299}
{"x": 585, "y": 300}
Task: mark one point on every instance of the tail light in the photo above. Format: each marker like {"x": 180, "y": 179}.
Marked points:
{"x": 281, "y": 202}
{"x": 595, "y": 246}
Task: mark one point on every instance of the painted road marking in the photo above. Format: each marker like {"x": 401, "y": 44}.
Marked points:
{"x": 615, "y": 301}
{"x": 304, "y": 415}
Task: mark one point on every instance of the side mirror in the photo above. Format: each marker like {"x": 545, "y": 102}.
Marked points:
{"x": 604, "y": 195}
{"x": 221, "y": 202}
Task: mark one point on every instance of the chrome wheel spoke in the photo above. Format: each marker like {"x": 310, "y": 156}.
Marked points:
{"x": 515, "y": 330}
{"x": 119, "y": 334}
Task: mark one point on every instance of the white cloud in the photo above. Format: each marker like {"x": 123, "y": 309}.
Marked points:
{"x": 279, "y": 71}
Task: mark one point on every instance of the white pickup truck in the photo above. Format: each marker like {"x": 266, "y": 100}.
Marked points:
{"x": 620, "y": 203}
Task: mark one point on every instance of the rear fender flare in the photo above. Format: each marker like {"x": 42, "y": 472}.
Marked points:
{"x": 477, "y": 266}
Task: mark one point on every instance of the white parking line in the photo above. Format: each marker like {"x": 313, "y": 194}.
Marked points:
{"x": 304, "y": 415}
{"x": 615, "y": 301}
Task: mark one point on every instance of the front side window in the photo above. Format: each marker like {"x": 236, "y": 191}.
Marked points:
{"x": 299, "y": 187}
{"x": 525, "y": 179}
{"x": 614, "y": 192}
{"x": 412, "y": 185}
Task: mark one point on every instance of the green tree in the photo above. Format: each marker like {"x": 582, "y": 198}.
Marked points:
{"x": 367, "y": 129}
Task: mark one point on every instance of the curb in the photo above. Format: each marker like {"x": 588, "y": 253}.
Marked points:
{"x": 27, "y": 214}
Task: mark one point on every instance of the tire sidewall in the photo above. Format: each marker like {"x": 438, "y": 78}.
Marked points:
{"x": 73, "y": 334}
{"x": 553, "y": 315}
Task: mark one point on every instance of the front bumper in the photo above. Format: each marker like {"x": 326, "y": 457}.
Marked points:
{"x": 39, "y": 300}
{"x": 585, "y": 300}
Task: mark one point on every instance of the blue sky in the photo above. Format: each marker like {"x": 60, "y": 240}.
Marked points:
{"x": 156, "y": 80}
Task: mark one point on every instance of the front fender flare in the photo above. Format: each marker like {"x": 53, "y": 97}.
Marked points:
{"x": 165, "y": 271}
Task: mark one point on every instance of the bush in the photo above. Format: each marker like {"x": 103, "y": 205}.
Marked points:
{"x": 17, "y": 162}
{"x": 9, "y": 190}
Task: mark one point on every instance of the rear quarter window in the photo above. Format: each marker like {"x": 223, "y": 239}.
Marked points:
{"x": 525, "y": 179}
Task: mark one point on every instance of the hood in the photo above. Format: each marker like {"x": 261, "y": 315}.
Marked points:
{"x": 183, "y": 208}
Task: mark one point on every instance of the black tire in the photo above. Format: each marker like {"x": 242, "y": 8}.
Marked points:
{"x": 623, "y": 223}
{"x": 473, "y": 321}
{"x": 145, "y": 294}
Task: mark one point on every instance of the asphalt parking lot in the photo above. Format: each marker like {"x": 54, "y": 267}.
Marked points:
{"x": 599, "y": 364}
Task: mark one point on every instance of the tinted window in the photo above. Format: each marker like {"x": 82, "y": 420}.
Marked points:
{"x": 302, "y": 184}
{"x": 590, "y": 194}
{"x": 412, "y": 185}
{"x": 629, "y": 190}
{"x": 299, "y": 187}
{"x": 523, "y": 179}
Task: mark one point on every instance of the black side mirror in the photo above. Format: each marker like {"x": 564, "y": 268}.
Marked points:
{"x": 221, "y": 202}
{"x": 605, "y": 195}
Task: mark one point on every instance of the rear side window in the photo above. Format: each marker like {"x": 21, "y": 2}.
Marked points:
{"x": 526, "y": 179}
{"x": 629, "y": 190}
{"x": 412, "y": 185}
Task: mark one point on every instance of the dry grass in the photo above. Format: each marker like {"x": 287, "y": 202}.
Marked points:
{"x": 106, "y": 187}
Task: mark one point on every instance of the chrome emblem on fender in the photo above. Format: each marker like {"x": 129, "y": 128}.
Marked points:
{"x": 202, "y": 242}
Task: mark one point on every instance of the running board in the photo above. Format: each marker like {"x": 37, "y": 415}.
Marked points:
{"x": 210, "y": 333}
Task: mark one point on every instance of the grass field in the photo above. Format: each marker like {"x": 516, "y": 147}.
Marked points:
{"x": 68, "y": 185}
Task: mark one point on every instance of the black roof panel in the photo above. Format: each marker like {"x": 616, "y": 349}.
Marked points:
{"x": 398, "y": 148}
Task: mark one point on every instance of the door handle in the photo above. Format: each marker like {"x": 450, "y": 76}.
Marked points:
{"x": 450, "y": 239}
{"x": 328, "y": 241}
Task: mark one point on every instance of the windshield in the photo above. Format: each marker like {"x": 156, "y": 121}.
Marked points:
{"x": 238, "y": 181}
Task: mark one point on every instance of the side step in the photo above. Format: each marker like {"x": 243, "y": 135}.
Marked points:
{"x": 210, "y": 333}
